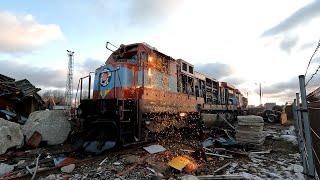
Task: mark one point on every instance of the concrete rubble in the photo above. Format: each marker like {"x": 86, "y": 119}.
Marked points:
{"x": 152, "y": 149}
{"x": 53, "y": 126}
{"x": 68, "y": 169}
{"x": 10, "y": 135}
{"x": 289, "y": 135}
{"x": 250, "y": 130}
{"x": 5, "y": 169}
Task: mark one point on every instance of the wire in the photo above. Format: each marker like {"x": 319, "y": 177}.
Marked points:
{"x": 312, "y": 76}
{"x": 312, "y": 57}
{"x": 315, "y": 153}
{"x": 315, "y": 133}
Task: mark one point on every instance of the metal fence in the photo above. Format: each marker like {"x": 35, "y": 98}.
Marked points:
{"x": 308, "y": 138}
{"x": 314, "y": 114}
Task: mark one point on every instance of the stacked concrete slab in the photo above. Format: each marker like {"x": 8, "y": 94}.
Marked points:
{"x": 250, "y": 130}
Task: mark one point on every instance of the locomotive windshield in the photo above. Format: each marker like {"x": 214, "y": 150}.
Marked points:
{"x": 126, "y": 54}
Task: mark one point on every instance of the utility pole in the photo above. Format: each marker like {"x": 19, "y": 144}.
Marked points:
{"x": 69, "y": 83}
{"x": 260, "y": 93}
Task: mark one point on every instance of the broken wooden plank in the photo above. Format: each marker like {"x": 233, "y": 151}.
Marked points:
{"x": 219, "y": 155}
{"x": 127, "y": 170}
{"x": 104, "y": 160}
{"x": 261, "y": 152}
{"x": 221, "y": 168}
{"x": 187, "y": 150}
{"x": 207, "y": 177}
{"x": 226, "y": 121}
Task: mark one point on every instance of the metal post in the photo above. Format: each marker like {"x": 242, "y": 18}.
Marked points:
{"x": 80, "y": 89}
{"x": 297, "y": 118}
{"x": 89, "y": 86}
{"x": 114, "y": 84}
{"x": 260, "y": 93}
{"x": 306, "y": 128}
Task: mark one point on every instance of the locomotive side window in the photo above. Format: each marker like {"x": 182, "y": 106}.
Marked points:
{"x": 143, "y": 57}
{"x": 191, "y": 69}
{"x": 184, "y": 67}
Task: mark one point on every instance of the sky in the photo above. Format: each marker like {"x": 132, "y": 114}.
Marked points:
{"x": 242, "y": 42}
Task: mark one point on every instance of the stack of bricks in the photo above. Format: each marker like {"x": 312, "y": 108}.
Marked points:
{"x": 250, "y": 130}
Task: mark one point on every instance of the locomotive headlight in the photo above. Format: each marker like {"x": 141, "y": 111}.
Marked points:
{"x": 149, "y": 72}
{"x": 182, "y": 114}
{"x": 150, "y": 59}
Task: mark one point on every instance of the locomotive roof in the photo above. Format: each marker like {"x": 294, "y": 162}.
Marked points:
{"x": 150, "y": 48}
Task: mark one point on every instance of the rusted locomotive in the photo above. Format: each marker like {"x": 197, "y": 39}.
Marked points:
{"x": 140, "y": 90}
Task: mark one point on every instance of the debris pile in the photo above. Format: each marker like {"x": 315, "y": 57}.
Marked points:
{"x": 250, "y": 130}
{"x": 179, "y": 155}
{"x": 18, "y": 99}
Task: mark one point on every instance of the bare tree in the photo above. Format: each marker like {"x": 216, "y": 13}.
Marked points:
{"x": 53, "y": 96}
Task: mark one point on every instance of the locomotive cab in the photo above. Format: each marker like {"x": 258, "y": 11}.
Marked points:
{"x": 112, "y": 114}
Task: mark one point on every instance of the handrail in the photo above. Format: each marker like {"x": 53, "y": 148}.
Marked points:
{"x": 111, "y": 45}
{"x": 80, "y": 82}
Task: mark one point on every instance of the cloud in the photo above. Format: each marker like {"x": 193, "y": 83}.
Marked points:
{"x": 90, "y": 65}
{"x": 282, "y": 91}
{"x": 292, "y": 84}
{"x": 308, "y": 45}
{"x": 24, "y": 33}
{"x": 302, "y": 15}
{"x": 236, "y": 81}
{"x": 146, "y": 11}
{"x": 288, "y": 43}
{"x": 43, "y": 77}
{"x": 315, "y": 60}
{"x": 47, "y": 77}
{"x": 215, "y": 70}
{"x": 286, "y": 90}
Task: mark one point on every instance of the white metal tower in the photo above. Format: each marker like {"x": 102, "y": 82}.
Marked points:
{"x": 69, "y": 83}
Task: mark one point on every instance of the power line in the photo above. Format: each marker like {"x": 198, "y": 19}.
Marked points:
{"x": 313, "y": 75}
{"x": 312, "y": 57}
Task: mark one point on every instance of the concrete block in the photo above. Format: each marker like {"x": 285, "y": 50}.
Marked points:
{"x": 250, "y": 130}
{"x": 53, "y": 126}
{"x": 10, "y": 135}
{"x": 250, "y": 119}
